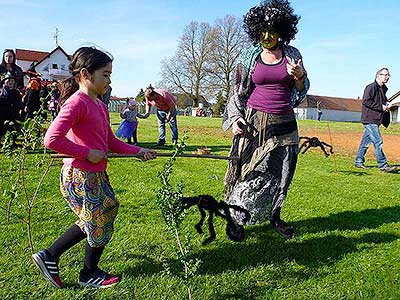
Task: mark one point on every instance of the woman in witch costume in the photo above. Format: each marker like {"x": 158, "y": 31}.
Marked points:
{"x": 270, "y": 82}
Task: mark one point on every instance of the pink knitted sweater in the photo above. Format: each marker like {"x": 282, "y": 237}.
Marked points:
{"x": 83, "y": 124}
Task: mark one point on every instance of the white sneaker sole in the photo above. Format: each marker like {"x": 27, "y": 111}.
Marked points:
{"x": 96, "y": 286}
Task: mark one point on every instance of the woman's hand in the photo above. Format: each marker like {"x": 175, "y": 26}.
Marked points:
{"x": 295, "y": 69}
{"x": 147, "y": 153}
{"x": 237, "y": 126}
{"x": 95, "y": 156}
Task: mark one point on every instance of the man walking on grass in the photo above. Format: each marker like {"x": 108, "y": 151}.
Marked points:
{"x": 375, "y": 111}
{"x": 166, "y": 112}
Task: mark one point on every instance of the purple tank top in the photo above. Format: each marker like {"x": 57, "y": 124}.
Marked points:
{"x": 272, "y": 88}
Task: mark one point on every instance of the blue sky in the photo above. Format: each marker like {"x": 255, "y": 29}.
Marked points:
{"x": 343, "y": 42}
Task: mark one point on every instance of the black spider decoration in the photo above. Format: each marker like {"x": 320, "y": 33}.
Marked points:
{"x": 315, "y": 142}
{"x": 221, "y": 209}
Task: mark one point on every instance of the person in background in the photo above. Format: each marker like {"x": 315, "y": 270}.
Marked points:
{"x": 31, "y": 98}
{"x": 8, "y": 65}
{"x": 164, "y": 101}
{"x": 106, "y": 97}
{"x": 319, "y": 111}
{"x": 128, "y": 127}
{"x": 375, "y": 112}
{"x": 10, "y": 106}
{"x": 53, "y": 102}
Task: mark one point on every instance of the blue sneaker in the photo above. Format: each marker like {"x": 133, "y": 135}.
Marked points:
{"x": 48, "y": 267}
{"x": 97, "y": 279}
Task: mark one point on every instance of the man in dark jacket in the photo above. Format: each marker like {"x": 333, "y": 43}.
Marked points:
{"x": 375, "y": 111}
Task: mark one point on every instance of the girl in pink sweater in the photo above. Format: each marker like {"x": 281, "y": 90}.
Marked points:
{"x": 82, "y": 131}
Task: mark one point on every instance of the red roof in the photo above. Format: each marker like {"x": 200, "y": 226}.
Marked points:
{"x": 334, "y": 103}
{"x": 115, "y": 98}
{"x": 30, "y": 55}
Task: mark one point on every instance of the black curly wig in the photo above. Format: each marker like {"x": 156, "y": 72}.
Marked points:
{"x": 275, "y": 15}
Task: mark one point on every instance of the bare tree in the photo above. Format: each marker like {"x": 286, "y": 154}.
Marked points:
{"x": 188, "y": 70}
{"x": 228, "y": 43}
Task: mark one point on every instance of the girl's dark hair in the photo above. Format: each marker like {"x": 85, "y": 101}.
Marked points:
{"x": 88, "y": 58}
{"x": 3, "y": 61}
{"x": 274, "y": 15}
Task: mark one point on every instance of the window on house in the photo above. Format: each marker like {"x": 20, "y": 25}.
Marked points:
{"x": 62, "y": 67}
{"x": 55, "y": 66}
{"x": 46, "y": 68}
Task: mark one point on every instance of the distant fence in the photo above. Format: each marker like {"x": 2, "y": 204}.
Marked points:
{"x": 119, "y": 106}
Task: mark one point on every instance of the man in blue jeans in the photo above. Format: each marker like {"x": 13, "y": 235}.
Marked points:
{"x": 375, "y": 111}
{"x": 166, "y": 112}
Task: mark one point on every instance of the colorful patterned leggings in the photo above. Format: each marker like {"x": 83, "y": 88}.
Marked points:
{"x": 92, "y": 199}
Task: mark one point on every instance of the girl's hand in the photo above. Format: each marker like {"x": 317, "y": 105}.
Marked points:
{"x": 295, "y": 69}
{"x": 237, "y": 126}
{"x": 148, "y": 153}
{"x": 95, "y": 156}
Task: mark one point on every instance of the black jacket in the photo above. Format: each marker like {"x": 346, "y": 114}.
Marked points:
{"x": 10, "y": 104}
{"x": 17, "y": 73}
{"x": 373, "y": 99}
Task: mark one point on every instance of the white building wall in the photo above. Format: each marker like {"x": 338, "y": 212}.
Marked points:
{"x": 59, "y": 71}
{"x": 340, "y": 116}
{"x": 24, "y": 64}
{"x": 327, "y": 114}
{"x": 300, "y": 113}
{"x": 395, "y": 115}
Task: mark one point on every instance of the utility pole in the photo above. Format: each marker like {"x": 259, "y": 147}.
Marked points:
{"x": 56, "y": 35}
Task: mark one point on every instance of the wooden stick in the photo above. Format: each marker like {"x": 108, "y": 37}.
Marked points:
{"x": 139, "y": 155}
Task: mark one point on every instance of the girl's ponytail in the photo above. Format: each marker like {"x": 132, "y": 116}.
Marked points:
{"x": 68, "y": 87}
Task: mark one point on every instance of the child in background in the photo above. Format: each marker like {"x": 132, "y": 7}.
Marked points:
{"x": 10, "y": 105}
{"x": 82, "y": 130}
{"x": 128, "y": 127}
{"x": 53, "y": 102}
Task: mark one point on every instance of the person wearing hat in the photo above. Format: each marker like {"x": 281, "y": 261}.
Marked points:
{"x": 8, "y": 65}
{"x": 10, "y": 105}
{"x": 128, "y": 127}
{"x": 32, "y": 94}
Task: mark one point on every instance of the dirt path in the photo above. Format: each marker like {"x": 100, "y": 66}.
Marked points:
{"x": 346, "y": 143}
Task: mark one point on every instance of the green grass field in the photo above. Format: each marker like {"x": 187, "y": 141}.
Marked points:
{"x": 347, "y": 222}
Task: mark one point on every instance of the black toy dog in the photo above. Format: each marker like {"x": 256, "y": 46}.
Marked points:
{"x": 206, "y": 202}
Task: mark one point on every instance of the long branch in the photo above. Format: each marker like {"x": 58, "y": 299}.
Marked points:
{"x": 140, "y": 155}
{"x": 11, "y": 199}
{"x": 14, "y": 214}
{"x": 32, "y": 203}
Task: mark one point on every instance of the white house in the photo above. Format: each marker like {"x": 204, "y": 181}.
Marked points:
{"x": 395, "y": 107}
{"x": 52, "y": 65}
{"x": 333, "y": 109}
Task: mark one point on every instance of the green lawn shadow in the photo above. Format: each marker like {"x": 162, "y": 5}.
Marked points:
{"x": 265, "y": 247}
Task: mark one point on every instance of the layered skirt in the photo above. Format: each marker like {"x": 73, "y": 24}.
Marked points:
{"x": 126, "y": 129}
{"x": 268, "y": 151}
